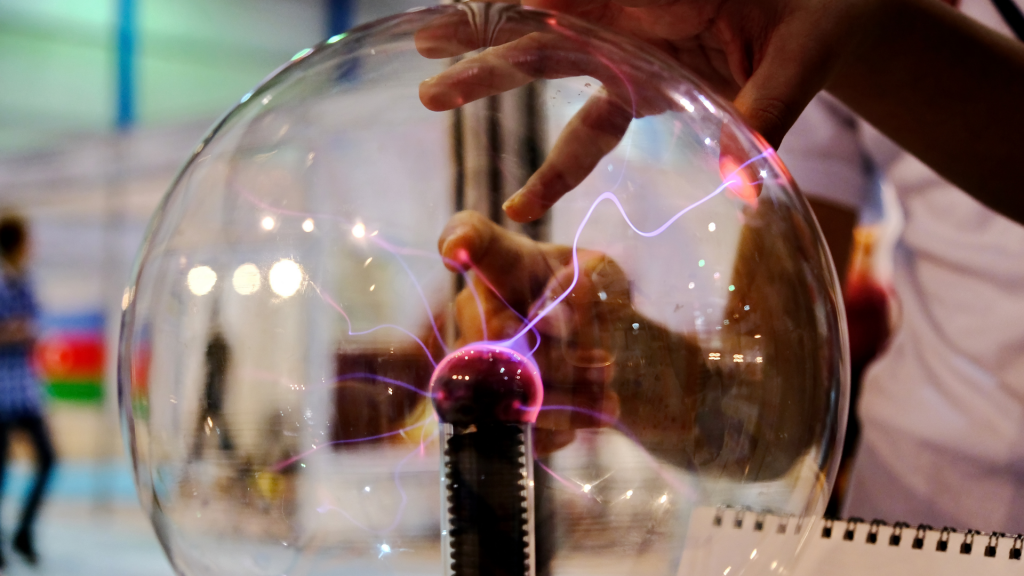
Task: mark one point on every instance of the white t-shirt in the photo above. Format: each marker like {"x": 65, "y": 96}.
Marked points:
{"x": 953, "y": 373}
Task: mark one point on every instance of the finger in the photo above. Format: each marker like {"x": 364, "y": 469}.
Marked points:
{"x": 513, "y": 264}
{"x": 472, "y": 310}
{"x": 540, "y": 55}
{"x": 482, "y": 317}
{"x": 741, "y": 176}
{"x": 587, "y": 316}
{"x": 710, "y": 64}
{"x": 454, "y": 33}
{"x": 599, "y": 278}
{"x": 591, "y": 134}
{"x": 783, "y": 83}
{"x": 486, "y": 74}
{"x": 509, "y": 66}
{"x": 584, "y": 301}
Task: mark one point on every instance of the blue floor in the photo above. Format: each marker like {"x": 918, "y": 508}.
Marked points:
{"x": 86, "y": 481}
{"x": 91, "y": 525}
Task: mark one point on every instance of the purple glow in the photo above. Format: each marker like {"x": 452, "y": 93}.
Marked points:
{"x": 401, "y": 491}
{"x": 401, "y": 431}
{"x": 567, "y": 483}
{"x": 615, "y": 200}
{"x": 498, "y": 295}
{"x": 614, "y": 423}
{"x": 395, "y": 251}
{"x": 348, "y": 320}
{"x": 423, "y": 298}
{"x": 484, "y": 383}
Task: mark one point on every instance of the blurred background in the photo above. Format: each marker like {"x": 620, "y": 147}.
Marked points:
{"x": 101, "y": 102}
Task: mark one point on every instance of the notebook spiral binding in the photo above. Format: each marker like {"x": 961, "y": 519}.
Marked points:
{"x": 994, "y": 541}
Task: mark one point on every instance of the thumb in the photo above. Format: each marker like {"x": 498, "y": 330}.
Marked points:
{"x": 788, "y": 76}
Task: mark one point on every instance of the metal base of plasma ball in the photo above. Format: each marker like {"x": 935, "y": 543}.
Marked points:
{"x": 488, "y": 516}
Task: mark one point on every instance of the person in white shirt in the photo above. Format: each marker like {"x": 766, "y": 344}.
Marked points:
{"x": 942, "y": 409}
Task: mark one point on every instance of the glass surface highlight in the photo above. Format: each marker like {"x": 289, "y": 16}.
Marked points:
{"x": 340, "y": 355}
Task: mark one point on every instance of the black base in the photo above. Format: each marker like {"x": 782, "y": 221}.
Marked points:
{"x": 487, "y": 501}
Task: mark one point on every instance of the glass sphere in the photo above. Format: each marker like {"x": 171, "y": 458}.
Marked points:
{"x": 341, "y": 355}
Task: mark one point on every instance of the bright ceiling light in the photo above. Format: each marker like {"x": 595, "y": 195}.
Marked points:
{"x": 201, "y": 280}
{"x": 285, "y": 278}
{"x": 246, "y": 279}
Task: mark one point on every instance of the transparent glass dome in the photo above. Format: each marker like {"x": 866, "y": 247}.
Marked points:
{"x": 340, "y": 355}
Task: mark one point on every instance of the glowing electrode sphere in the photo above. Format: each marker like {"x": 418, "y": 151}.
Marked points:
{"x": 486, "y": 383}
{"x": 330, "y": 298}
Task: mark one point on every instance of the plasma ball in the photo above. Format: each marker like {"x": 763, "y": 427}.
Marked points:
{"x": 486, "y": 384}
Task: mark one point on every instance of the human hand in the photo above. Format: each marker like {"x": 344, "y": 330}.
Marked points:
{"x": 770, "y": 57}
{"x": 605, "y": 365}
{"x": 575, "y": 339}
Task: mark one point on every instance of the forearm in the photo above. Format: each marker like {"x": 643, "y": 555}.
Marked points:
{"x": 948, "y": 90}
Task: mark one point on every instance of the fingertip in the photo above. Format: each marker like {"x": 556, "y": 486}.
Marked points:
{"x": 521, "y": 208}
{"x": 466, "y": 236}
{"x": 741, "y": 174}
{"x": 740, "y": 180}
{"x": 454, "y": 248}
{"x": 455, "y": 257}
{"x": 436, "y": 97}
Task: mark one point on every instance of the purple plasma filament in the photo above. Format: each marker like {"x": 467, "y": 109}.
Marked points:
{"x": 486, "y": 384}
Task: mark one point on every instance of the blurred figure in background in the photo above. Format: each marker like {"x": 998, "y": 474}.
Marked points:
{"x": 211, "y": 415}
{"x": 21, "y": 405}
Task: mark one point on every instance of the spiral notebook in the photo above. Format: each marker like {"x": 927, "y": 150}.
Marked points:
{"x": 729, "y": 541}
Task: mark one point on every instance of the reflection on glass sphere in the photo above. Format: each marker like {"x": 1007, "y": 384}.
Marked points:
{"x": 246, "y": 279}
{"x": 328, "y": 303}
